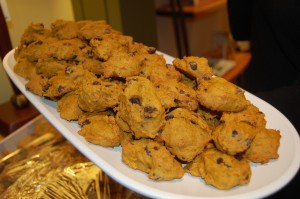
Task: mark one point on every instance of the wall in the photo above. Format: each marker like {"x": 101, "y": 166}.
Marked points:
{"x": 200, "y": 30}
{"x": 22, "y": 13}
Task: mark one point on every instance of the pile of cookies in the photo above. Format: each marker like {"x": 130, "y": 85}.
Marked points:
{"x": 170, "y": 119}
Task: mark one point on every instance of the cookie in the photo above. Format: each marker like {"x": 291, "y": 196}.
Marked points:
{"x": 50, "y": 67}
{"x": 91, "y": 29}
{"x": 264, "y": 146}
{"x": 25, "y": 68}
{"x": 108, "y": 44}
{"x": 212, "y": 118}
{"x": 141, "y": 108}
{"x": 121, "y": 65}
{"x": 250, "y": 114}
{"x": 185, "y": 134}
{"x": 220, "y": 95}
{"x": 66, "y": 81}
{"x": 39, "y": 49}
{"x": 63, "y": 29}
{"x": 193, "y": 67}
{"x": 234, "y": 137}
{"x": 38, "y": 84}
{"x": 154, "y": 66}
{"x": 153, "y": 158}
{"x": 176, "y": 94}
{"x": 92, "y": 64}
{"x": 220, "y": 170}
{"x": 96, "y": 94}
{"x": 101, "y": 130}
{"x": 34, "y": 32}
{"x": 68, "y": 107}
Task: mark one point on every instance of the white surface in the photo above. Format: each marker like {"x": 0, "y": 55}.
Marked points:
{"x": 266, "y": 179}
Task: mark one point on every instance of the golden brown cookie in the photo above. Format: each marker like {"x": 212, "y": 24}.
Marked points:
{"x": 91, "y": 29}
{"x": 39, "y": 49}
{"x": 250, "y": 114}
{"x": 63, "y": 29}
{"x": 92, "y": 64}
{"x": 101, "y": 130}
{"x": 50, "y": 67}
{"x": 176, "y": 94}
{"x": 99, "y": 95}
{"x": 193, "y": 67}
{"x": 153, "y": 158}
{"x": 38, "y": 84}
{"x": 121, "y": 65}
{"x": 68, "y": 107}
{"x": 220, "y": 95}
{"x": 212, "y": 118}
{"x": 154, "y": 66}
{"x": 108, "y": 44}
{"x": 141, "y": 108}
{"x": 25, "y": 68}
{"x": 66, "y": 81}
{"x": 264, "y": 146}
{"x": 220, "y": 170}
{"x": 185, "y": 134}
{"x": 234, "y": 137}
{"x": 34, "y": 32}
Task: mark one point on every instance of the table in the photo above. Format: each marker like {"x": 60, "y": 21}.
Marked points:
{"x": 242, "y": 60}
{"x": 11, "y": 117}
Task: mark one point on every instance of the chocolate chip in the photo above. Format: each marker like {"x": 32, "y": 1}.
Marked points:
{"x": 85, "y": 122}
{"x": 67, "y": 44}
{"x": 46, "y": 87}
{"x": 247, "y": 177}
{"x": 234, "y": 133}
{"x": 98, "y": 38}
{"x": 90, "y": 53}
{"x": 177, "y": 101}
{"x": 96, "y": 83}
{"x": 148, "y": 152}
{"x": 151, "y": 50}
{"x": 239, "y": 156}
{"x": 219, "y": 160}
{"x": 182, "y": 92}
{"x": 38, "y": 43}
{"x": 193, "y": 122}
{"x": 160, "y": 131}
{"x": 82, "y": 47}
{"x": 193, "y": 65}
{"x": 60, "y": 88}
{"x": 169, "y": 66}
{"x": 206, "y": 78}
{"x": 135, "y": 100}
{"x": 150, "y": 109}
{"x": 168, "y": 117}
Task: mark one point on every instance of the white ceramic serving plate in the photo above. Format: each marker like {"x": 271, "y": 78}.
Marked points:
{"x": 266, "y": 179}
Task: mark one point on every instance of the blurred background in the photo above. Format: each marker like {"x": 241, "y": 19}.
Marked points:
{"x": 149, "y": 21}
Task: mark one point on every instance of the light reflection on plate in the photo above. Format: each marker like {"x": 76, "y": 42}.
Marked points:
{"x": 266, "y": 179}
